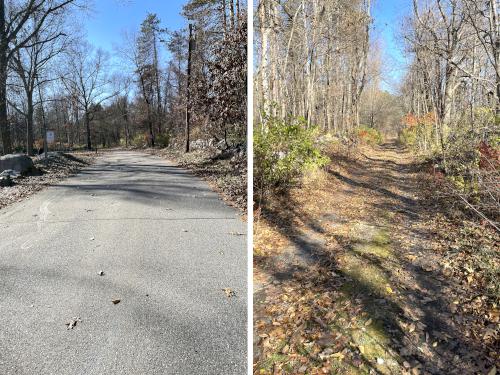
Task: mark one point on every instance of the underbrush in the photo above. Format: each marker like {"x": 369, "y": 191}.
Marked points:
{"x": 370, "y": 136}
{"x": 466, "y": 161}
{"x": 284, "y": 150}
{"x": 470, "y": 250}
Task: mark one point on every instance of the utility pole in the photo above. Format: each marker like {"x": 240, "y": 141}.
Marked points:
{"x": 44, "y": 123}
{"x": 188, "y": 86}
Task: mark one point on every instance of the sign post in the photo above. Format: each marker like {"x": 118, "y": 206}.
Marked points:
{"x": 50, "y": 137}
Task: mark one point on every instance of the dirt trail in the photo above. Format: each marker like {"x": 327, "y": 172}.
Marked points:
{"x": 363, "y": 280}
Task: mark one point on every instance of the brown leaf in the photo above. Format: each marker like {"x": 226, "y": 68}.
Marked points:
{"x": 116, "y": 301}
{"x": 229, "y": 292}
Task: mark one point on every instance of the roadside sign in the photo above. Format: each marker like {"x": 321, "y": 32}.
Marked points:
{"x": 50, "y": 136}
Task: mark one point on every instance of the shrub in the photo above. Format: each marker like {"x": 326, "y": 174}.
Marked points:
{"x": 162, "y": 140}
{"x": 419, "y": 133}
{"x": 283, "y": 151}
{"x": 369, "y": 135}
{"x": 139, "y": 140}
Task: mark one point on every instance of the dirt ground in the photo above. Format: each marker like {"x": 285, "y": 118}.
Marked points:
{"x": 359, "y": 272}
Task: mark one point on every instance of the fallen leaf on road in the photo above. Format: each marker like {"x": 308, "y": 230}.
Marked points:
{"x": 229, "y": 292}
{"x": 72, "y": 323}
{"x": 116, "y": 301}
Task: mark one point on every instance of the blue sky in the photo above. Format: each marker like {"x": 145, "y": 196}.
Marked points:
{"x": 388, "y": 16}
{"x": 105, "y": 24}
{"x": 110, "y": 18}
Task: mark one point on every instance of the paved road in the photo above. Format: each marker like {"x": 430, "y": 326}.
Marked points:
{"x": 167, "y": 246}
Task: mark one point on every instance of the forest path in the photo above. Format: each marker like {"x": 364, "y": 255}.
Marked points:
{"x": 362, "y": 279}
{"x": 167, "y": 246}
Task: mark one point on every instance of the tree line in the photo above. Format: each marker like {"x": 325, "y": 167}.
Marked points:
{"x": 451, "y": 95}
{"x": 312, "y": 60}
{"x": 158, "y": 87}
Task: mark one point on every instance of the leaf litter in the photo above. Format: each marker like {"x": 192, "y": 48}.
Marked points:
{"x": 304, "y": 315}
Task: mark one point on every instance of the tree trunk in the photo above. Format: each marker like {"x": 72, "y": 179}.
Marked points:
{"x": 231, "y": 13}
{"x": 188, "y": 88}
{"x": 224, "y": 17}
{"x": 4, "y": 124}
{"x": 87, "y": 126}
{"x": 29, "y": 125}
{"x": 159, "y": 113}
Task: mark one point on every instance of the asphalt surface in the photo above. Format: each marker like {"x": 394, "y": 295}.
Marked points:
{"x": 167, "y": 246}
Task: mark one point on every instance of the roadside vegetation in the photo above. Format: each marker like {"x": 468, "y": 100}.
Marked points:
{"x": 157, "y": 89}
{"x": 376, "y": 214}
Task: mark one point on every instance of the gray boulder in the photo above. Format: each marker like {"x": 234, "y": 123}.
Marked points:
{"x": 10, "y": 173}
{"x": 5, "y": 181}
{"x": 17, "y": 162}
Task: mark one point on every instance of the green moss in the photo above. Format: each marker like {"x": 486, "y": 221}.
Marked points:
{"x": 368, "y": 239}
{"x": 364, "y": 276}
{"x": 372, "y": 342}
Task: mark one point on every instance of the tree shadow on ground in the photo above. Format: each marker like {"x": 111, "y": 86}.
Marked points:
{"x": 415, "y": 317}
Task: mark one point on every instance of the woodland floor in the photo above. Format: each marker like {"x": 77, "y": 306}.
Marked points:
{"x": 371, "y": 276}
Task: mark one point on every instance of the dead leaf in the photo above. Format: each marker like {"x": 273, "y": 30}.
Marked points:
{"x": 229, "y": 292}
{"x": 72, "y": 323}
{"x": 116, "y": 301}
{"x": 368, "y": 322}
{"x": 325, "y": 354}
{"x": 339, "y": 355}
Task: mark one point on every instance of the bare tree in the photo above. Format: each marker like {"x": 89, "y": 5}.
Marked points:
{"x": 30, "y": 63}
{"x": 86, "y": 76}
{"x": 313, "y": 60}
{"x": 14, "y": 17}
